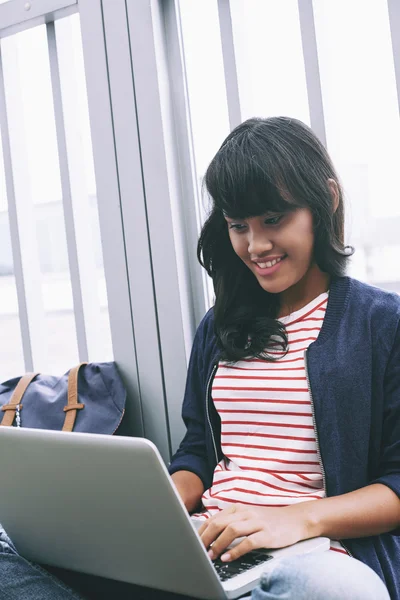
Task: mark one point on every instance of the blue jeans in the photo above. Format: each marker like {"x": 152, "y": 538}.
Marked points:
{"x": 326, "y": 576}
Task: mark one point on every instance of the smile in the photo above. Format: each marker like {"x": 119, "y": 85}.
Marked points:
{"x": 269, "y": 263}
{"x": 269, "y": 267}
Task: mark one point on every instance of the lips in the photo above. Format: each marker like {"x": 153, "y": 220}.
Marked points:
{"x": 269, "y": 263}
{"x": 270, "y": 266}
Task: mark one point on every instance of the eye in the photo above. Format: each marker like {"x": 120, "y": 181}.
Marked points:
{"x": 236, "y": 226}
{"x": 273, "y": 220}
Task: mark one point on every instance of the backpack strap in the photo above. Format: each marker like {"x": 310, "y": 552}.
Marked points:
{"x": 73, "y": 405}
{"x": 15, "y": 401}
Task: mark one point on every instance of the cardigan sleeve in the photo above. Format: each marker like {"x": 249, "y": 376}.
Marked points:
{"x": 192, "y": 452}
{"x": 390, "y": 451}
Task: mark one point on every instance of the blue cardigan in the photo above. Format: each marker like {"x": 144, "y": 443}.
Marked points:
{"x": 354, "y": 376}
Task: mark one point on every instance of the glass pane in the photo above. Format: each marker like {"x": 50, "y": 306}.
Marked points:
{"x": 36, "y": 160}
{"x": 206, "y": 89}
{"x": 269, "y": 58}
{"x": 11, "y": 353}
{"x": 363, "y": 127}
{"x": 205, "y": 76}
{"x": 76, "y": 114}
{"x": 27, "y": 73}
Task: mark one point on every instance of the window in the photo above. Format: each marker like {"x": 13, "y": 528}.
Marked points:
{"x": 269, "y": 59}
{"x": 363, "y": 128}
{"x": 61, "y": 271}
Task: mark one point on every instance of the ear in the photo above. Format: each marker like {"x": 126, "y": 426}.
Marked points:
{"x": 334, "y": 190}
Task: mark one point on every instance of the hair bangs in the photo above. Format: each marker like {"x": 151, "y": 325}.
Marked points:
{"x": 243, "y": 182}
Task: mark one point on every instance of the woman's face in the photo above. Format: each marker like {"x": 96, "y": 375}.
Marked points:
{"x": 276, "y": 247}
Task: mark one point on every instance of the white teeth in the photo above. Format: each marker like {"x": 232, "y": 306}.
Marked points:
{"x": 269, "y": 263}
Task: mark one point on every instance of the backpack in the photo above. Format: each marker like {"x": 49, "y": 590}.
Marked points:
{"x": 89, "y": 398}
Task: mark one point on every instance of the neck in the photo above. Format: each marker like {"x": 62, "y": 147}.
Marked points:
{"x": 314, "y": 283}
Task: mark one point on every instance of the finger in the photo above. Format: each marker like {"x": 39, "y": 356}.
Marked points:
{"x": 221, "y": 518}
{"x": 207, "y": 521}
{"x": 203, "y": 527}
{"x": 249, "y": 543}
{"x": 232, "y": 531}
{"x": 206, "y": 524}
{"x": 216, "y": 526}
{"x": 223, "y": 512}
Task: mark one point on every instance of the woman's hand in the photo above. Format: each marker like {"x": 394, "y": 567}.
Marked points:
{"x": 261, "y": 527}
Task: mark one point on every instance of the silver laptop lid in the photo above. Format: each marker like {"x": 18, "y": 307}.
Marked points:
{"x": 102, "y": 505}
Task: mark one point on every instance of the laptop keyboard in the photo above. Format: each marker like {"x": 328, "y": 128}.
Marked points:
{"x": 240, "y": 565}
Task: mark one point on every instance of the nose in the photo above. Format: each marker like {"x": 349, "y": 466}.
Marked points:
{"x": 259, "y": 243}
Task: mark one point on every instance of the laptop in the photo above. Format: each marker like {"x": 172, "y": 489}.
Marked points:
{"x": 106, "y": 505}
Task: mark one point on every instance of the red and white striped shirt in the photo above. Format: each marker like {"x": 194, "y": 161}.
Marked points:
{"x": 267, "y": 429}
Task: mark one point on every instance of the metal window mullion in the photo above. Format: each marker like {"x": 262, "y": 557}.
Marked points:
{"x": 75, "y": 197}
{"x": 154, "y": 150}
{"x": 109, "y": 206}
{"x": 311, "y": 65}
{"x": 67, "y": 199}
{"x": 21, "y": 217}
{"x": 230, "y": 68}
{"x": 183, "y": 171}
{"x": 136, "y": 229}
{"x": 394, "y": 20}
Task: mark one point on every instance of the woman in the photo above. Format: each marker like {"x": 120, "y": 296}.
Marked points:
{"x": 292, "y": 402}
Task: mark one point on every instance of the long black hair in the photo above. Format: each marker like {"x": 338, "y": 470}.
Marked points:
{"x": 265, "y": 165}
